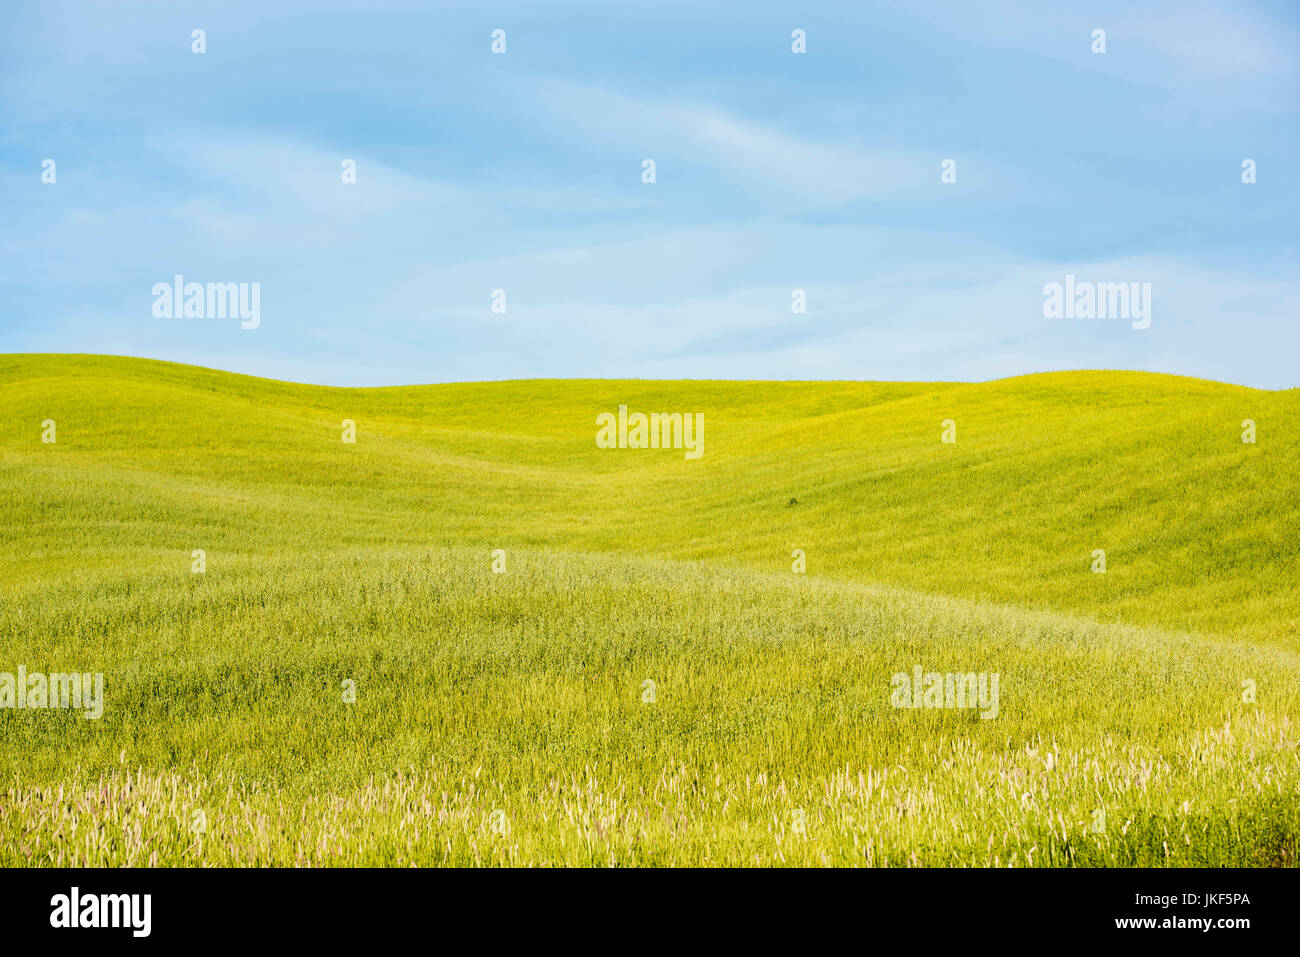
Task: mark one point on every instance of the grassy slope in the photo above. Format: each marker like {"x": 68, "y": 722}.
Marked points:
{"x": 521, "y": 692}
{"x": 1202, "y": 532}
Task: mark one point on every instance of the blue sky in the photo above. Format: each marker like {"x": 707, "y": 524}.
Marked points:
{"x": 774, "y": 171}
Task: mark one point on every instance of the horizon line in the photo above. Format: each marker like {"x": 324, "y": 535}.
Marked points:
{"x": 451, "y": 382}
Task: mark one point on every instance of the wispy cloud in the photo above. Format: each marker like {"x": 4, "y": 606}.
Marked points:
{"x": 775, "y": 171}
{"x": 762, "y": 157}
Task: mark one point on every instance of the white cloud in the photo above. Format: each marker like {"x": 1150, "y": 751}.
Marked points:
{"x": 760, "y": 156}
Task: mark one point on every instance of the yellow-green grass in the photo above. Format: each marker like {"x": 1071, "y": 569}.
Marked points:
{"x": 499, "y": 717}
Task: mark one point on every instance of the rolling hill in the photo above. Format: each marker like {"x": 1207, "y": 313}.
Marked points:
{"x": 643, "y": 678}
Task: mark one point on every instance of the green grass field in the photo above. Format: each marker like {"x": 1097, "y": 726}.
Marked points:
{"x": 1147, "y": 715}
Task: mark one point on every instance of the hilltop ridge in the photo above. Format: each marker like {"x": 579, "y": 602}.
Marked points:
{"x": 1201, "y": 531}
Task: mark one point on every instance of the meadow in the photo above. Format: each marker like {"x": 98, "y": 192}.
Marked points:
{"x": 645, "y": 680}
